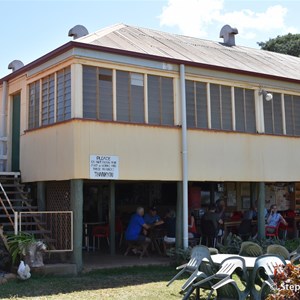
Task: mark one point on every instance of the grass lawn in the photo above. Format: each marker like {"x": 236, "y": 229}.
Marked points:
{"x": 125, "y": 283}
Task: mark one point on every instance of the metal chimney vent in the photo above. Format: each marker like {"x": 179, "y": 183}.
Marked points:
{"x": 15, "y": 65}
{"x": 228, "y": 33}
{"x": 78, "y": 31}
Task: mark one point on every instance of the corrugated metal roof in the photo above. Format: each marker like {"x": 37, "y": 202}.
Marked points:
{"x": 195, "y": 50}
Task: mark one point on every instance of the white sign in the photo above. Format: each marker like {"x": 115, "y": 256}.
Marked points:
{"x": 104, "y": 167}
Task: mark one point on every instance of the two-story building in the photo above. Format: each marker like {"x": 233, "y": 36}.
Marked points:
{"x": 128, "y": 116}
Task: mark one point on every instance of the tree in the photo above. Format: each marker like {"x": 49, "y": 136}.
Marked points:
{"x": 286, "y": 44}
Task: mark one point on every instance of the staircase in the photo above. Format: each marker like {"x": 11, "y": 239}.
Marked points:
{"x": 14, "y": 199}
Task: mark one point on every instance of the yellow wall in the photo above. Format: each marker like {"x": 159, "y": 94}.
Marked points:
{"x": 153, "y": 153}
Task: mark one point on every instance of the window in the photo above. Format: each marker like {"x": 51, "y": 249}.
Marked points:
{"x": 221, "y": 108}
{"x": 63, "y": 87}
{"x": 53, "y": 91}
{"x": 292, "y": 114}
{"x": 196, "y": 104}
{"x": 97, "y": 93}
{"x": 130, "y": 97}
{"x": 244, "y": 110}
{"x": 160, "y": 100}
{"x": 273, "y": 115}
{"x": 48, "y": 100}
{"x": 34, "y": 105}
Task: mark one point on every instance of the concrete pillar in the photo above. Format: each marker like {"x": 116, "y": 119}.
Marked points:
{"x": 41, "y": 195}
{"x": 179, "y": 216}
{"x": 77, "y": 208}
{"x": 261, "y": 211}
{"x": 112, "y": 218}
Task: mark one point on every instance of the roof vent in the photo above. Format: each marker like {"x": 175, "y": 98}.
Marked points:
{"x": 15, "y": 65}
{"x": 228, "y": 33}
{"x": 78, "y": 31}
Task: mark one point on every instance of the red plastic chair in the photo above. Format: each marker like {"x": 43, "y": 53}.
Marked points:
{"x": 100, "y": 231}
{"x": 273, "y": 233}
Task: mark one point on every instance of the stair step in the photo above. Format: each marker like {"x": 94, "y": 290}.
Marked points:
{"x": 13, "y": 192}
{"x": 21, "y": 208}
{"x": 21, "y": 200}
{"x": 8, "y": 185}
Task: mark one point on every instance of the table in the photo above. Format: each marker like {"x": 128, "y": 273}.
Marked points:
{"x": 218, "y": 258}
{"x": 234, "y": 224}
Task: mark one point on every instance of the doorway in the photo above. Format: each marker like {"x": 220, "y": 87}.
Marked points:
{"x": 15, "y": 145}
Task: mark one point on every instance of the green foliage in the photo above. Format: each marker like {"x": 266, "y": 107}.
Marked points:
{"x": 18, "y": 243}
{"x": 287, "y": 281}
{"x": 232, "y": 244}
{"x": 287, "y": 44}
{"x": 179, "y": 255}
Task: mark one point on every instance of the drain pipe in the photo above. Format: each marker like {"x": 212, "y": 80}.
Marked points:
{"x": 3, "y": 127}
{"x": 184, "y": 158}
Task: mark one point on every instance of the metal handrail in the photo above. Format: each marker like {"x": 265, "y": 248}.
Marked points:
{"x": 11, "y": 207}
{"x": 7, "y": 199}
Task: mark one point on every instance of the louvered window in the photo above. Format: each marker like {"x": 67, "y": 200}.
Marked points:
{"x": 63, "y": 86}
{"x": 160, "y": 100}
{"x": 97, "y": 93}
{"x": 221, "y": 107}
{"x": 292, "y": 114}
{"x": 48, "y": 100}
{"x": 130, "y": 97}
{"x": 55, "y": 92}
{"x": 244, "y": 110}
{"x": 196, "y": 104}
{"x": 273, "y": 115}
{"x": 34, "y": 105}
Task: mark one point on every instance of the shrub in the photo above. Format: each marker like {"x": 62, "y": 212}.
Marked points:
{"x": 287, "y": 283}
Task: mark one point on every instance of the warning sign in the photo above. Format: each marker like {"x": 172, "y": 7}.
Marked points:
{"x": 104, "y": 167}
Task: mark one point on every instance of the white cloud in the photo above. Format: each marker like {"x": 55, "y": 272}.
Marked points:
{"x": 196, "y": 17}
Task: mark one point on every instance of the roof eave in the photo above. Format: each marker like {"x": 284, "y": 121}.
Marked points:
{"x": 74, "y": 44}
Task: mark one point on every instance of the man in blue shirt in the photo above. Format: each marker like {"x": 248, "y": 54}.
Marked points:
{"x": 152, "y": 218}
{"x": 134, "y": 231}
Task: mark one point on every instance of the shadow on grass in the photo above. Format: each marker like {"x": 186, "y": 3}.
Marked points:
{"x": 100, "y": 279}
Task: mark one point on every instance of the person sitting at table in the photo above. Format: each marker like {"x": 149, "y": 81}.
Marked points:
{"x": 152, "y": 218}
{"x": 274, "y": 219}
{"x": 134, "y": 231}
{"x": 251, "y": 214}
{"x": 213, "y": 216}
{"x": 170, "y": 226}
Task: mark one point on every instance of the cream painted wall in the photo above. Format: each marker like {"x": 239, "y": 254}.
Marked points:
{"x": 48, "y": 153}
{"x": 153, "y": 153}
{"x": 220, "y": 156}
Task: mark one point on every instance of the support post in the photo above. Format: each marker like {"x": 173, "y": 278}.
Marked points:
{"x": 184, "y": 158}
{"x": 77, "y": 208}
{"x": 261, "y": 211}
{"x": 179, "y": 222}
{"x": 41, "y": 196}
{"x": 112, "y": 219}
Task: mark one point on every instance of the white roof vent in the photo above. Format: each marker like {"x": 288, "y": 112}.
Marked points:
{"x": 228, "y": 33}
{"x": 78, "y": 31}
{"x": 15, "y": 65}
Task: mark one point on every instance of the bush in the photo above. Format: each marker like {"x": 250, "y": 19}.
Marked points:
{"x": 287, "y": 283}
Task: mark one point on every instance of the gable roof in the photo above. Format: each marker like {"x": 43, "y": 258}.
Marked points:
{"x": 194, "y": 50}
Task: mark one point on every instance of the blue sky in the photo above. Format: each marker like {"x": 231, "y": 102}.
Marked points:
{"x": 30, "y": 29}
